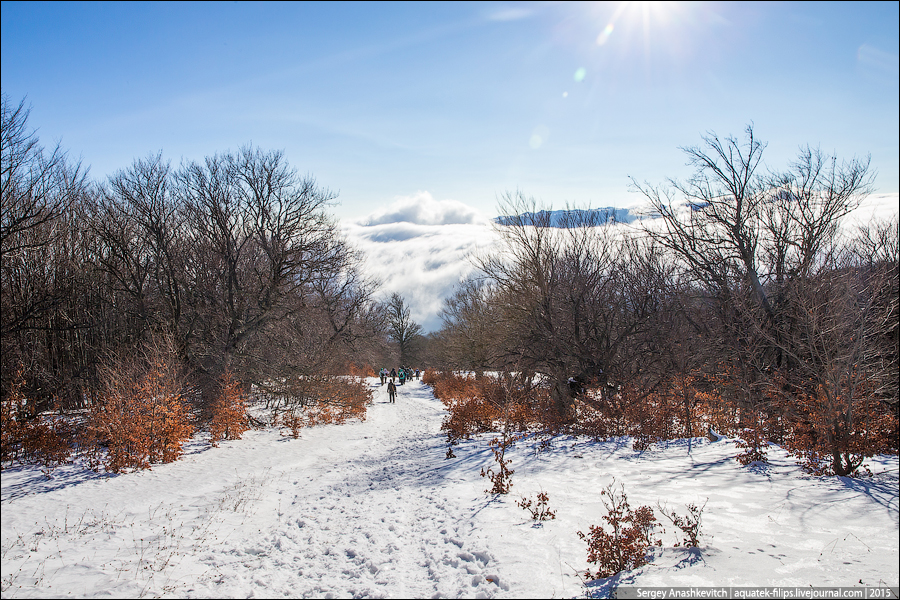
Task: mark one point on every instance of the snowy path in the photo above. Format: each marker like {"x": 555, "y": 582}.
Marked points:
{"x": 374, "y": 509}
{"x": 358, "y": 510}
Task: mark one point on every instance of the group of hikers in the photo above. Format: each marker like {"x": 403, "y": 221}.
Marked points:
{"x": 402, "y": 375}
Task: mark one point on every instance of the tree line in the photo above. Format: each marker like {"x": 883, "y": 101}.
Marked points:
{"x": 741, "y": 292}
{"x": 228, "y": 264}
{"x": 740, "y": 301}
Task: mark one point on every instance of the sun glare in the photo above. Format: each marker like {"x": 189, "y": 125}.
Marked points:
{"x": 635, "y": 13}
{"x": 604, "y": 35}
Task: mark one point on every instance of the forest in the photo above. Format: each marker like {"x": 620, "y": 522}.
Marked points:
{"x": 138, "y": 310}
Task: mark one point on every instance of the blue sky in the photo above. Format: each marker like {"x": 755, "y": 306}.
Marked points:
{"x": 422, "y": 115}
{"x": 462, "y": 100}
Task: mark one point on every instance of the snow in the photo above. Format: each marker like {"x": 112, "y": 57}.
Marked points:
{"x": 374, "y": 509}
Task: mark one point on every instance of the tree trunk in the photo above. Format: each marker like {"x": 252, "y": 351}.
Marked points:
{"x": 563, "y": 402}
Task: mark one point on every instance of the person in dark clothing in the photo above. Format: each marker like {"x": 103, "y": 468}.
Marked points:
{"x": 576, "y": 386}
{"x": 393, "y": 375}
{"x": 392, "y": 391}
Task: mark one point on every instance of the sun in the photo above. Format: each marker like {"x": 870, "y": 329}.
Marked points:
{"x": 634, "y": 13}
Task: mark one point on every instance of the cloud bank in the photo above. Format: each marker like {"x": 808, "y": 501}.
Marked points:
{"x": 422, "y": 209}
{"x": 421, "y": 248}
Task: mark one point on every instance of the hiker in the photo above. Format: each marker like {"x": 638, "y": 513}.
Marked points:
{"x": 383, "y": 375}
{"x": 417, "y": 374}
{"x": 393, "y": 375}
{"x": 576, "y": 386}
{"x": 392, "y": 391}
{"x": 402, "y": 376}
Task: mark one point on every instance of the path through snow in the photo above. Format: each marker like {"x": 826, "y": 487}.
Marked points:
{"x": 358, "y": 510}
{"x": 374, "y": 509}
{"x": 377, "y": 508}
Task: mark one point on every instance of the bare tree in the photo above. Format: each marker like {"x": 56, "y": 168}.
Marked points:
{"x": 713, "y": 221}
{"x": 836, "y": 322}
{"x": 570, "y": 294}
{"x": 402, "y": 329}
{"x": 266, "y": 269}
{"x": 234, "y": 259}
{"x": 140, "y": 236}
{"x": 470, "y": 328}
{"x": 36, "y": 188}
{"x": 736, "y": 228}
{"x": 39, "y": 258}
{"x": 876, "y": 247}
{"x": 794, "y": 313}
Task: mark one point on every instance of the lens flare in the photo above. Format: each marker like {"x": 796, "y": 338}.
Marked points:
{"x": 604, "y": 35}
{"x": 580, "y": 74}
{"x": 539, "y": 137}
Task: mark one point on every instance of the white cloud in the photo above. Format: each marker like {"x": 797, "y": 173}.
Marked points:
{"x": 422, "y": 209}
{"x": 882, "y": 206}
{"x": 510, "y": 14}
{"x": 420, "y": 248}
{"x": 886, "y": 63}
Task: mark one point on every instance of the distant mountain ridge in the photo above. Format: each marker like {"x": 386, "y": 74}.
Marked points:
{"x": 557, "y": 218}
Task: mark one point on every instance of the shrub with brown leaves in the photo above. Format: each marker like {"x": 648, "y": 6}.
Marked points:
{"x": 539, "y": 509}
{"x": 481, "y": 405}
{"x": 502, "y": 477}
{"x": 28, "y": 437}
{"x": 624, "y": 546}
{"x": 429, "y": 376}
{"x": 753, "y": 442}
{"x": 830, "y": 435}
{"x": 688, "y": 524}
{"x": 321, "y": 400}
{"x": 138, "y": 422}
{"x": 229, "y": 413}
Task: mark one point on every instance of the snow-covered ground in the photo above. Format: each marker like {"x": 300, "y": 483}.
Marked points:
{"x": 374, "y": 509}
